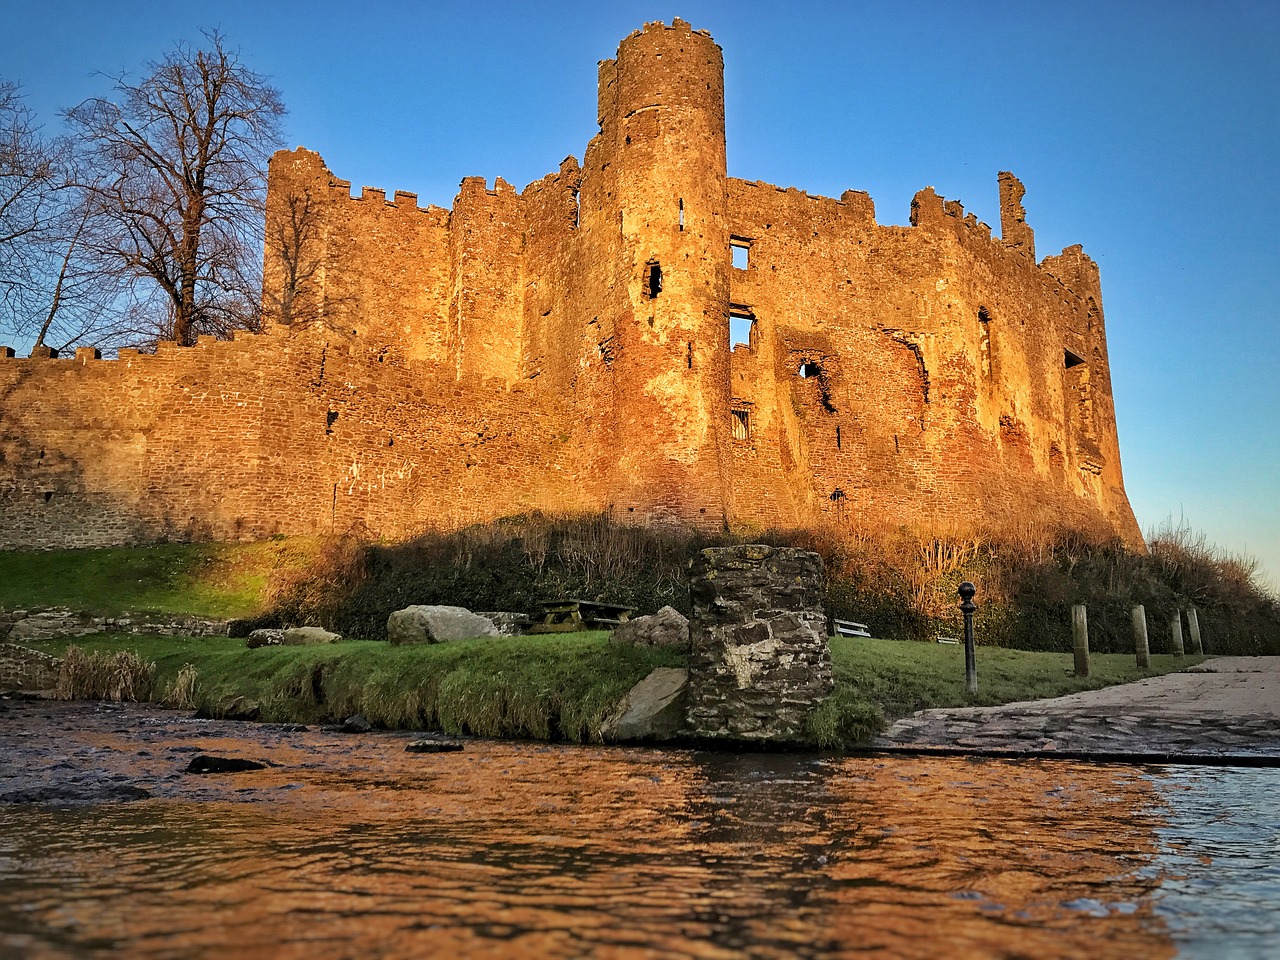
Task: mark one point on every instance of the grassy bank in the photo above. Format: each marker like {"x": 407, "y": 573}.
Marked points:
{"x": 203, "y": 579}
{"x": 547, "y": 688}
{"x": 561, "y": 687}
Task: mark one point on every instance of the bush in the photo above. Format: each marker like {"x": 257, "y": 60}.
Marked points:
{"x": 900, "y": 582}
{"x": 119, "y": 676}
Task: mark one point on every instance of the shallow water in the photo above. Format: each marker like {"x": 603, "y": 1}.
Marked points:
{"x": 541, "y": 851}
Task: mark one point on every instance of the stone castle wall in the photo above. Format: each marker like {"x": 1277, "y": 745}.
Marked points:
{"x": 567, "y": 348}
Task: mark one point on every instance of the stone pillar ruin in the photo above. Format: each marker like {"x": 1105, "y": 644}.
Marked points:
{"x": 760, "y": 660}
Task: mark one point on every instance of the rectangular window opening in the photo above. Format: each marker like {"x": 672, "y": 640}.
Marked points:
{"x": 838, "y": 438}
{"x": 738, "y": 248}
{"x": 682, "y": 213}
{"x": 1072, "y": 359}
{"x": 652, "y": 280}
{"x": 741, "y": 425}
{"x": 741, "y": 327}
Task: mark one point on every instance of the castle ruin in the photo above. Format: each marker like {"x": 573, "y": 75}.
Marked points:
{"x": 638, "y": 333}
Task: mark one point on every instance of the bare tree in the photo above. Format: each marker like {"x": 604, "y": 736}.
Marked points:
{"x": 29, "y": 180}
{"x": 173, "y": 174}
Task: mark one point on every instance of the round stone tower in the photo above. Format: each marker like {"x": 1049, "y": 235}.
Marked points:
{"x": 661, "y": 150}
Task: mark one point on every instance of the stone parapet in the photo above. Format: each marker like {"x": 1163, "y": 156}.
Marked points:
{"x": 760, "y": 661}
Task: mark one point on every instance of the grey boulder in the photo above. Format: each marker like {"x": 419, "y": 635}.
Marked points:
{"x": 654, "y": 709}
{"x": 434, "y": 624}
{"x": 308, "y": 636}
{"x": 264, "y": 637}
{"x": 666, "y": 628}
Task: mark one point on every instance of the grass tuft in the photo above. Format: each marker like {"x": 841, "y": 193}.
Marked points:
{"x": 119, "y": 675}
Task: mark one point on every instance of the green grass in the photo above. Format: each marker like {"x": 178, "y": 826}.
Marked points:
{"x": 203, "y": 579}
{"x": 878, "y": 681}
{"x": 554, "y": 687}
{"x": 562, "y": 686}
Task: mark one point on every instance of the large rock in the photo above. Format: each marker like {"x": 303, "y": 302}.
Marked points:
{"x": 264, "y": 637}
{"x": 759, "y": 661}
{"x": 666, "y": 628}
{"x": 654, "y": 709}
{"x": 509, "y": 624}
{"x": 308, "y": 636}
{"x": 434, "y": 624}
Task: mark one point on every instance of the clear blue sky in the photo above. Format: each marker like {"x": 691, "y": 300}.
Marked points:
{"x": 1149, "y": 132}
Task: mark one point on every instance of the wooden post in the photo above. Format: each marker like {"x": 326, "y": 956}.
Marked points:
{"x": 1175, "y": 633}
{"x": 1140, "y": 646}
{"x": 1080, "y": 637}
{"x": 1193, "y": 624}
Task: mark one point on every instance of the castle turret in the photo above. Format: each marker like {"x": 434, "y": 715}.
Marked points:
{"x": 662, "y": 133}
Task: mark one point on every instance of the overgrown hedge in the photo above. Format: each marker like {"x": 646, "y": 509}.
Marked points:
{"x": 902, "y": 583}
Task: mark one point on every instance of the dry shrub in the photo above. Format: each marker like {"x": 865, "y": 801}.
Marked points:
{"x": 121, "y": 676}
{"x": 181, "y": 693}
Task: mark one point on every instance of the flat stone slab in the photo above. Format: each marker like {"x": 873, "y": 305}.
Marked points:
{"x": 1228, "y": 707}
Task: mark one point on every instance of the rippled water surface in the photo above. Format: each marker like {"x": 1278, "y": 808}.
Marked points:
{"x": 529, "y": 850}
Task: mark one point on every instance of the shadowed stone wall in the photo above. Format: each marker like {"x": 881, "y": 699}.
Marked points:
{"x": 760, "y": 660}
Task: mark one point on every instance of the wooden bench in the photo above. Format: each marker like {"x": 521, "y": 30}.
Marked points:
{"x": 570, "y": 616}
{"x": 848, "y": 628}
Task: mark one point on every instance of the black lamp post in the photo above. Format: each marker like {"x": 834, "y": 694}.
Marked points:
{"x": 967, "y": 607}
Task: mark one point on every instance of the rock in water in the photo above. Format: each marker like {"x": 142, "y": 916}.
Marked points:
{"x": 654, "y": 709}
{"x": 666, "y": 628}
{"x": 760, "y": 661}
{"x": 433, "y": 624}
{"x": 77, "y": 794}
{"x": 430, "y": 745}
{"x": 356, "y": 724}
{"x": 205, "y": 763}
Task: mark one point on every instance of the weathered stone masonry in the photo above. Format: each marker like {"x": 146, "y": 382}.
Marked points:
{"x": 568, "y": 347}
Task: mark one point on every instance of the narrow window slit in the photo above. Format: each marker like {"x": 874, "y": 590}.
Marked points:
{"x": 652, "y": 280}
